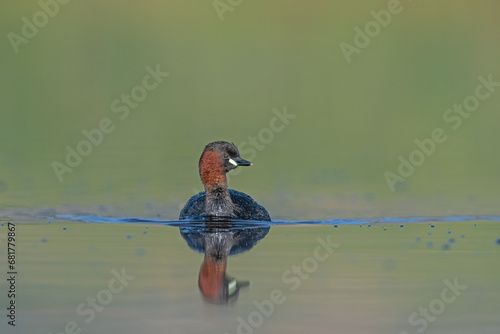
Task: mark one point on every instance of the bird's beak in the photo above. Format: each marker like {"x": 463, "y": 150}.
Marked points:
{"x": 240, "y": 162}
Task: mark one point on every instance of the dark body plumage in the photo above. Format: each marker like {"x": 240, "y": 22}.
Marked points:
{"x": 245, "y": 208}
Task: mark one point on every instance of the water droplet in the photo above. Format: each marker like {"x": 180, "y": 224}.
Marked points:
{"x": 140, "y": 252}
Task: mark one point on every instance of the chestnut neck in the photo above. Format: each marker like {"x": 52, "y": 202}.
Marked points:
{"x": 213, "y": 175}
{"x": 211, "y": 277}
{"x": 212, "y": 171}
{"x": 213, "y": 269}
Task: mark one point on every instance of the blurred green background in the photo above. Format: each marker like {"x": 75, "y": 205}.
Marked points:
{"x": 352, "y": 120}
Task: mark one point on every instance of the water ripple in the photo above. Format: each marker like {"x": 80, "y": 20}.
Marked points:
{"x": 236, "y": 223}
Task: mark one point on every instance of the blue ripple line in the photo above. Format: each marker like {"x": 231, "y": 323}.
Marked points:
{"x": 334, "y": 221}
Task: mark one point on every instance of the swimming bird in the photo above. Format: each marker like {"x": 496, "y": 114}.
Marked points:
{"x": 217, "y": 201}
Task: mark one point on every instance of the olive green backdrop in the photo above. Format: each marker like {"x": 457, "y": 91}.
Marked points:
{"x": 226, "y": 76}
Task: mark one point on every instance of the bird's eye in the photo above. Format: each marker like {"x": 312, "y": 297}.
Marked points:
{"x": 226, "y": 156}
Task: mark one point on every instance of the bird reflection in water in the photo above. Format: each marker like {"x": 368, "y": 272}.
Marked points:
{"x": 218, "y": 241}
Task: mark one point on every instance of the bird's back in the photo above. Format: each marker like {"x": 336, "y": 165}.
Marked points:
{"x": 248, "y": 209}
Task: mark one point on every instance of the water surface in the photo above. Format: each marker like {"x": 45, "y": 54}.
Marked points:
{"x": 343, "y": 277}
